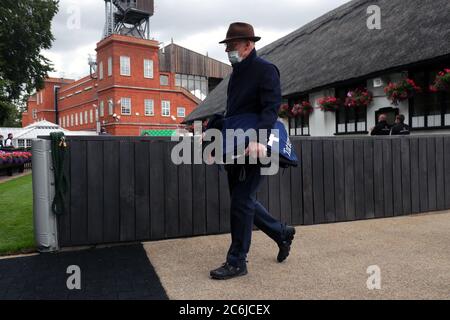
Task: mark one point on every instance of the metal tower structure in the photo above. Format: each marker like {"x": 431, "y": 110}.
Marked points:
{"x": 128, "y": 17}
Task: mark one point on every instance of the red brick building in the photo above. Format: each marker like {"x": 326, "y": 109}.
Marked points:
{"x": 137, "y": 88}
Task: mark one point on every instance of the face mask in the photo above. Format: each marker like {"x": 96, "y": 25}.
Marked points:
{"x": 234, "y": 57}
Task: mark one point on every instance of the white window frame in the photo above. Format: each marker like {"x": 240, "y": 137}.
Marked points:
{"x": 110, "y": 66}
{"x": 102, "y": 108}
{"x": 100, "y": 70}
{"x": 76, "y": 119}
{"x": 91, "y": 114}
{"x": 164, "y": 76}
{"x": 148, "y": 69}
{"x": 72, "y": 120}
{"x": 81, "y": 118}
{"x": 125, "y": 105}
{"x": 86, "y": 117}
{"x": 110, "y": 107}
{"x": 34, "y": 113}
{"x": 165, "y": 104}
{"x": 125, "y": 66}
{"x": 179, "y": 115}
{"x": 149, "y": 107}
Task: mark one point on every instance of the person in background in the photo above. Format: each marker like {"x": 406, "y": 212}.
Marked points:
{"x": 8, "y": 142}
{"x": 1, "y": 141}
{"x": 400, "y": 128}
{"x": 103, "y": 131}
{"x": 382, "y": 128}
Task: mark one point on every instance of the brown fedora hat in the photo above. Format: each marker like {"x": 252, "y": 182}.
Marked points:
{"x": 240, "y": 31}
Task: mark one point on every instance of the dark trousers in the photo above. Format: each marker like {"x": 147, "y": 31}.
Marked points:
{"x": 244, "y": 181}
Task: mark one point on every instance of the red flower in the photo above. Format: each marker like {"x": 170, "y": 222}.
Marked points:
{"x": 403, "y": 90}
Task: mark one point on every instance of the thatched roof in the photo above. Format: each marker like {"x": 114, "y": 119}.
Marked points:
{"x": 338, "y": 46}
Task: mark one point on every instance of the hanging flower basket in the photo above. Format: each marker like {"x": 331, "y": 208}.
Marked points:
{"x": 358, "y": 98}
{"x": 284, "y": 112}
{"x": 329, "y": 104}
{"x": 404, "y": 90}
{"x": 296, "y": 111}
{"x": 306, "y": 108}
{"x": 442, "y": 82}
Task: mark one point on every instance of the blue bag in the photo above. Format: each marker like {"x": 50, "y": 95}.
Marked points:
{"x": 277, "y": 140}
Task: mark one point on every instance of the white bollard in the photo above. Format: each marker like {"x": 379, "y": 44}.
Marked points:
{"x": 45, "y": 221}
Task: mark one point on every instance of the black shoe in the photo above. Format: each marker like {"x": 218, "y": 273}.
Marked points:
{"x": 227, "y": 272}
{"x": 285, "y": 245}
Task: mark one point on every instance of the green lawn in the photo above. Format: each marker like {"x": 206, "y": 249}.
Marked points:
{"x": 16, "y": 216}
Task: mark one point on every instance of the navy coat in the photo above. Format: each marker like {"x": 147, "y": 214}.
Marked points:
{"x": 254, "y": 87}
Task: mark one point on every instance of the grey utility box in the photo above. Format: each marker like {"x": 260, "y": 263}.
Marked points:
{"x": 45, "y": 222}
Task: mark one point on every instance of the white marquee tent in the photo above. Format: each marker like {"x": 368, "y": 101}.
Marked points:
{"x": 22, "y": 137}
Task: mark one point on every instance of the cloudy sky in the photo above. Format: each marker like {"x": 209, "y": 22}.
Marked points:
{"x": 195, "y": 24}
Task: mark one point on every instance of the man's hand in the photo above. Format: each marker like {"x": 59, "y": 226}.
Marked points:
{"x": 256, "y": 150}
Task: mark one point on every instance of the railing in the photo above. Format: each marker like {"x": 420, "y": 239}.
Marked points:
{"x": 127, "y": 189}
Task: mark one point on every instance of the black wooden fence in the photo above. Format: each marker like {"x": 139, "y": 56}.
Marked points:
{"x": 127, "y": 189}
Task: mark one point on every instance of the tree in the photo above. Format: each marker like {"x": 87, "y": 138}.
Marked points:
{"x": 25, "y": 30}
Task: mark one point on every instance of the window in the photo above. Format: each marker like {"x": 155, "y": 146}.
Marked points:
{"x": 299, "y": 126}
{"x": 429, "y": 109}
{"x": 110, "y": 66}
{"x": 110, "y": 107}
{"x": 81, "y": 118}
{"x": 71, "y": 120}
{"x": 164, "y": 80}
{"x": 184, "y": 81}
{"x": 165, "y": 108}
{"x": 125, "y": 69}
{"x": 67, "y": 121}
{"x": 76, "y": 119}
{"x": 28, "y": 141}
{"x": 197, "y": 85}
{"x": 21, "y": 143}
{"x": 149, "y": 107}
{"x": 181, "y": 112}
{"x": 92, "y": 115}
{"x": 59, "y": 121}
{"x": 63, "y": 124}
{"x": 350, "y": 120}
{"x": 34, "y": 114}
{"x": 96, "y": 115}
{"x": 126, "y": 106}
{"x": 148, "y": 69}
{"x": 100, "y": 70}
{"x": 102, "y": 109}
{"x": 85, "y": 117}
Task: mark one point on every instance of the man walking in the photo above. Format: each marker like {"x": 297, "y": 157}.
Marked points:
{"x": 254, "y": 88}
